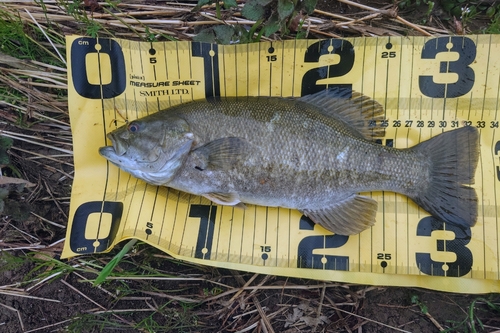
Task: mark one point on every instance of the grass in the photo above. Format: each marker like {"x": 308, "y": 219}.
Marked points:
{"x": 142, "y": 289}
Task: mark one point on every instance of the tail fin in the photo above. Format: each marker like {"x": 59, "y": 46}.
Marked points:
{"x": 453, "y": 158}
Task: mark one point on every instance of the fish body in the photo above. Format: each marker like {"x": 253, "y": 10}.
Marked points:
{"x": 314, "y": 153}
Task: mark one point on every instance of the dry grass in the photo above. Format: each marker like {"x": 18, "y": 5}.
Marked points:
{"x": 149, "y": 291}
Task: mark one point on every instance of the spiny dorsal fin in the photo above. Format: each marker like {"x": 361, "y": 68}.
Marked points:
{"x": 360, "y": 113}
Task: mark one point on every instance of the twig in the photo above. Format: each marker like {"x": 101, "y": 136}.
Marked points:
{"x": 320, "y": 306}
{"x": 265, "y": 320}
{"x": 48, "y": 221}
{"x": 434, "y": 321}
{"x": 50, "y": 41}
{"x": 18, "y": 136}
{"x": 372, "y": 321}
{"x": 94, "y": 302}
{"x": 54, "y": 199}
{"x": 49, "y": 326}
{"x": 25, "y": 295}
{"x": 18, "y": 314}
{"x": 389, "y": 13}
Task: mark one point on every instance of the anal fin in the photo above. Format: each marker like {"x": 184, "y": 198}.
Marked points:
{"x": 347, "y": 217}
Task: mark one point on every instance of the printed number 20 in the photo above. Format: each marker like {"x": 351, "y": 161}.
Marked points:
{"x": 342, "y": 48}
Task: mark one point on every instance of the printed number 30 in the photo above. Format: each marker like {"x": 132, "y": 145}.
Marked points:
{"x": 461, "y": 266}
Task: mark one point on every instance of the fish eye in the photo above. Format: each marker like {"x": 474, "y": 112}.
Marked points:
{"x": 133, "y": 127}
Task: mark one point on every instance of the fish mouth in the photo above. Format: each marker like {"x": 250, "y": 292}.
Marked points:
{"x": 120, "y": 147}
{"x": 107, "y": 151}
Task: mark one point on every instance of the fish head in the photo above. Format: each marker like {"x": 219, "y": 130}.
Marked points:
{"x": 152, "y": 148}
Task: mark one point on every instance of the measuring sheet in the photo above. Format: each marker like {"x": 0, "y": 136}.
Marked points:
{"x": 426, "y": 85}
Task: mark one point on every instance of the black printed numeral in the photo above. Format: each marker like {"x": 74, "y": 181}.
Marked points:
{"x": 306, "y": 257}
{"x": 466, "y": 50}
{"x": 265, "y": 248}
{"x": 209, "y": 53}
{"x": 78, "y": 241}
{"x": 391, "y": 54}
{"x": 384, "y": 256}
{"x": 206, "y": 231}
{"x": 432, "y": 123}
{"x": 497, "y": 154}
{"x": 461, "y": 266}
{"x": 84, "y": 47}
{"x": 340, "y": 47}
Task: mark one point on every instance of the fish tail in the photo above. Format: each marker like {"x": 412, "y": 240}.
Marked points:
{"x": 453, "y": 158}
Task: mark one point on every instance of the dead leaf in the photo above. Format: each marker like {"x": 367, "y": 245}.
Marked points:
{"x": 10, "y": 180}
{"x": 310, "y": 321}
{"x": 294, "y": 317}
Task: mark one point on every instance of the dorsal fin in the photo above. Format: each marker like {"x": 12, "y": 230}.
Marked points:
{"x": 360, "y": 113}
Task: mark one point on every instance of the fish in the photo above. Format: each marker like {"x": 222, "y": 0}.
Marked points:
{"x": 317, "y": 154}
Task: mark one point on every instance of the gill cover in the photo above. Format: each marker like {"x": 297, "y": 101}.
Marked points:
{"x": 151, "y": 149}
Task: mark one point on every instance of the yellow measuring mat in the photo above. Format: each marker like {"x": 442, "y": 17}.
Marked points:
{"x": 426, "y": 86}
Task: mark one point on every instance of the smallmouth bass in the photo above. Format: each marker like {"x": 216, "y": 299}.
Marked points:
{"x": 314, "y": 154}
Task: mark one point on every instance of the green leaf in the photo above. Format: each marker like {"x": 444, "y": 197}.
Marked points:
{"x": 241, "y": 34}
{"x": 112, "y": 264}
{"x": 264, "y": 2}
{"x": 5, "y": 142}
{"x": 4, "y": 193}
{"x": 309, "y": 6}
{"x": 200, "y": 4}
{"x": 285, "y": 8}
{"x": 230, "y": 3}
{"x": 224, "y": 33}
{"x": 253, "y": 10}
{"x": 4, "y": 157}
{"x": 205, "y": 36}
{"x": 272, "y": 25}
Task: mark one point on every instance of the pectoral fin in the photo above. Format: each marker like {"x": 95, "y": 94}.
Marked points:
{"x": 222, "y": 153}
{"x": 227, "y": 199}
{"x": 347, "y": 217}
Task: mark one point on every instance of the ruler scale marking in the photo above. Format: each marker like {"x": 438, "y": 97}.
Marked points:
{"x": 276, "y": 229}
